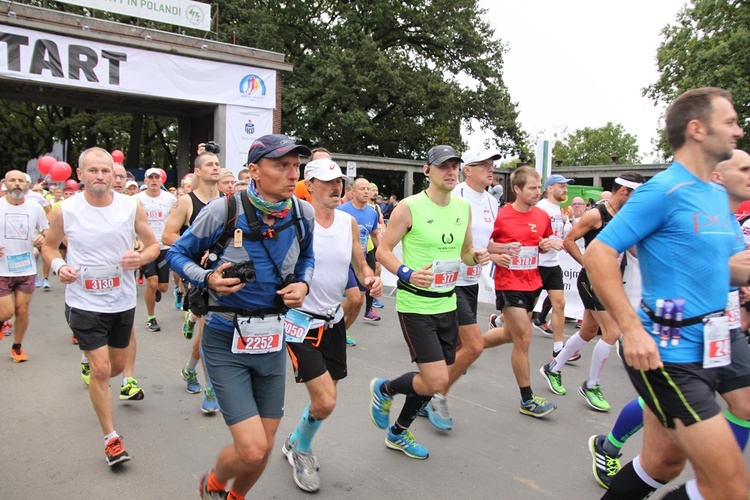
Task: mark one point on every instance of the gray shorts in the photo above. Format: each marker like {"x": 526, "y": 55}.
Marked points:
{"x": 246, "y": 385}
{"x": 737, "y": 374}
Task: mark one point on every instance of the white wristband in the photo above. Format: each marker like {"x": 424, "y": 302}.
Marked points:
{"x": 57, "y": 264}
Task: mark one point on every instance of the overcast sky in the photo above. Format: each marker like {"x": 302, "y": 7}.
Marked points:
{"x": 581, "y": 63}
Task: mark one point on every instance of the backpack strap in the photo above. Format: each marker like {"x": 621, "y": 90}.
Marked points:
{"x": 227, "y": 233}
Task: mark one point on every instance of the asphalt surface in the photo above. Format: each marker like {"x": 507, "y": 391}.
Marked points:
{"x": 52, "y": 446}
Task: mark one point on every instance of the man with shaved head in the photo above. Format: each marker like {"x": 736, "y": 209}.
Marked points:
{"x": 22, "y": 225}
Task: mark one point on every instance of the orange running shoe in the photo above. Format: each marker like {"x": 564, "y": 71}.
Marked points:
{"x": 115, "y": 452}
{"x": 74, "y": 339}
{"x": 7, "y": 328}
{"x": 18, "y": 355}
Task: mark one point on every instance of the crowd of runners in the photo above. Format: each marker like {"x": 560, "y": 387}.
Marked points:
{"x": 268, "y": 266}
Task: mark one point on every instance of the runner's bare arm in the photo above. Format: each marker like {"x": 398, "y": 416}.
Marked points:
{"x": 470, "y": 255}
{"x": 399, "y": 224}
{"x": 590, "y": 220}
{"x": 150, "y": 245}
{"x": 51, "y": 247}
{"x": 175, "y": 221}
{"x": 364, "y": 274}
{"x": 739, "y": 265}
{"x": 641, "y": 352}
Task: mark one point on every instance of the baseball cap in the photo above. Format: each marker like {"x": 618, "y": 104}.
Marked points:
{"x": 441, "y": 154}
{"x": 152, "y": 171}
{"x": 475, "y": 155}
{"x": 131, "y": 183}
{"x": 557, "y": 179}
{"x": 274, "y": 146}
{"x": 323, "y": 169}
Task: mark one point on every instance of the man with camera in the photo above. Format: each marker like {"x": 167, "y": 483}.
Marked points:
{"x": 243, "y": 338}
{"x": 320, "y": 359}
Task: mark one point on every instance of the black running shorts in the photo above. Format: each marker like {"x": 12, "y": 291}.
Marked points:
{"x": 430, "y": 337}
{"x": 323, "y": 350}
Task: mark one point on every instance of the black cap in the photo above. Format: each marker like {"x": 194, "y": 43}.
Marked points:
{"x": 274, "y": 146}
{"x": 441, "y": 154}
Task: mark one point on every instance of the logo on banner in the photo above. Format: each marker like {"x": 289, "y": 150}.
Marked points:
{"x": 249, "y": 127}
{"x": 194, "y": 15}
{"x": 252, "y": 86}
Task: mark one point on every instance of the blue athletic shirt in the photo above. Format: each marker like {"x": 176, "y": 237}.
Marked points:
{"x": 685, "y": 235}
{"x": 367, "y": 220}
{"x": 290, "y": 256}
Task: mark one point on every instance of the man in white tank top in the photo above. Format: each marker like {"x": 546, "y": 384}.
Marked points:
{"x": 100, "y": 296}
{"x": 320, "y": 360}
{"x": 157, "y": 203}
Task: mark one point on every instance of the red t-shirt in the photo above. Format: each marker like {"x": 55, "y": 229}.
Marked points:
{"x": 527, "y": 228}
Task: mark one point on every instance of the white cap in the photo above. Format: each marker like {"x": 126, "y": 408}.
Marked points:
{"x": 323, "y": 169}
{"x": 131, "y": 183}
{"x": 475, "y": 155}
{"x": 151, "y": 171}
{"x": 28, "y": 178}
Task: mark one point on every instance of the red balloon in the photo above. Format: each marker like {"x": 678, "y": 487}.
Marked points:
{"x": 72, "y": 184}
{"x": 60, "y": 171}
{"x": 44, "y": 164}
{"x": 163, "y": 176}
{"x": 118, "y": 156}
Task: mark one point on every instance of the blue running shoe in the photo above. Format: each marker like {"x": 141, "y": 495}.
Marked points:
{"x": 177, "y": 298}
{"x": 191, "y": 378}
{"x": 380, "y": 406}
{"x": 537, "y": 407}
{"x": 437, "y": 412}
{"x": 210, "y": 404}
{"x": 377, "y": 304}
{"x": 405, "y": 442}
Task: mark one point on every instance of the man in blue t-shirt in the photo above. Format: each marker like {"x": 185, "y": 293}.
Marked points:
{"x": 367, "y": 219}
{"x": 685, "y": 237}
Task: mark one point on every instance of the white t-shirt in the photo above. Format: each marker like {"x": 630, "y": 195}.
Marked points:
{"x": 157, "y": 210}
{"x": 333, "y": 254}
{"x": 19, "y": 225}
{"x": 551, "y": 259}
{"x": 34, "y": 196}
{"x": 484, "y": 209}
{"x": 98, "y": 237}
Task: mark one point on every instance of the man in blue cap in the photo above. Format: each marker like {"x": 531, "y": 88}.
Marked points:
{"x": 268, "y": 251}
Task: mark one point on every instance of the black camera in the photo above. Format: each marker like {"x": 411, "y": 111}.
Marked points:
{"x": 245, "y": 271}
{"x": 212, "y": 147}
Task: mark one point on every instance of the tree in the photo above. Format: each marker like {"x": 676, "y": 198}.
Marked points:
{"x": 596, "y": 145}
{"x": 382, "y": 77}
{"x": 707, "y": 46}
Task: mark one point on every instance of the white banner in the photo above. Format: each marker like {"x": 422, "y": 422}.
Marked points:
{"x": 180, "y": 12}
{"x": 244, "y": 125}
{"x": 70, "y": 62}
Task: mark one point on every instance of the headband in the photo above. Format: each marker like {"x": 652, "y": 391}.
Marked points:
{"x": 627, "y": 183}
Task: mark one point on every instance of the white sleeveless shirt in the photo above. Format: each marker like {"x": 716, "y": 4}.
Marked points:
{"x": 333, "y": 254}
{"x": 98, "y": 237}
{"x": 157, "y": 211}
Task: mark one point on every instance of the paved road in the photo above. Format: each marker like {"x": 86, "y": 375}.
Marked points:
{"x": 52, "y": 445}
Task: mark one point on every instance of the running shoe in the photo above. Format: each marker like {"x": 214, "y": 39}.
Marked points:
{"x": 45, "y": 285}
{"x": 209, "y": 495}
{"x": 152, "y": 325}
{"x": 573, "y": 358}
{"x": 18, "y": 355}
{"x": 377, "y": 304}
{"x": 131, "y": 390}
{"x": 7, "y": 328}
{"x": 115, "y": 452}
{"x": 188, "y": 327}
{"x": 371, "y": 316}
{"x": 605, "y": 466}
{"x": 543, "y": 327}
{"x": 578, "y": 324}
{"x": 86, "y": 372}
{"x": 495, "y": 321}
{"x": 288, "y": 444}
{"x": 73, "y": 339}
{"x": 553, "y": 379}
{"x": 350, "y": 340}
{"x": 380, "y": 406}
{"x": 405, "y": 442}
{"x": 191, "y": 377}
{"x": 437, "y": 412}
{"x": 304, "y": 466}
{"x": 177, "y": 298}
{"x": 537, "y": 407}
{"x": 594, "y": 397}
{"x": 140, "y": 278}
{"x": 209, "y": 405}
{"x": 37, "y": 281}
{"x": 157, "y": 296}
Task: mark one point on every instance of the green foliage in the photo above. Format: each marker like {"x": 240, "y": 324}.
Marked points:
{"x": 706, "y": 46}
{"x": 595, "y": 145}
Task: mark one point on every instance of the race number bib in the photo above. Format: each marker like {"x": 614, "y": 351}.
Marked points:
{"x": 445, "y": 272}
{"x": 296, "y": 325}
{"x": 527, "y": 258}
{"x": 257, "y": 335}
{"x": 732, "y": 311}
{"x": 19, "y": 263}
{"x": 717, "y": 350}
{"x": 101, "y": 280}
{"x": 472, "y": 274}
